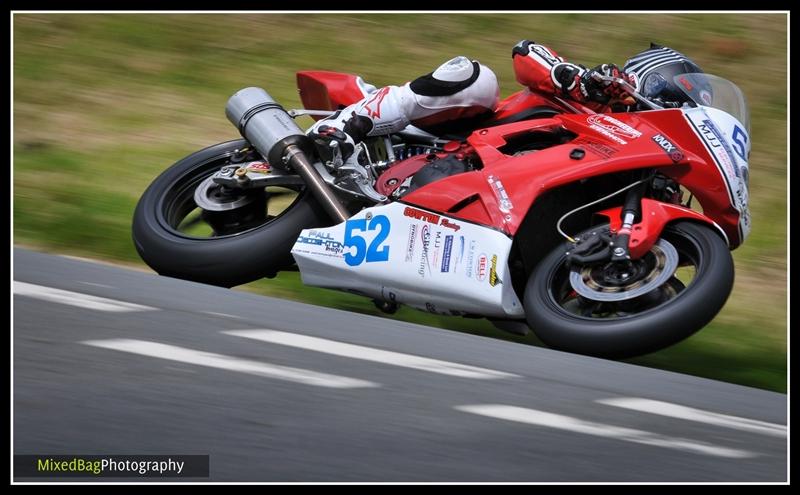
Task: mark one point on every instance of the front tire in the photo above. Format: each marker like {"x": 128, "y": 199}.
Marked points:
{"x": 670, "y": 313}
{"x": 236, "y": 252}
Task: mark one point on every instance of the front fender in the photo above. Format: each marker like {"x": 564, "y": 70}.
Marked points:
{"x": 655, "y": 216}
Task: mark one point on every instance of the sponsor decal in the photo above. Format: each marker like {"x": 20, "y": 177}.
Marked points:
{"x": 470, "y": 258}
{"x": 503, "y": 201}
{"x": 715, "y": 139}
{"x": 323, "y": 239}
{"x": 481, "y": 267}
{"x": 412, "y": 242}
{"x": 493, "y": 278}
{"x": 334, "y": 247}
{"x": 634, "y": 80}
{"x": 450, "y": 225}
{"x": 612, "y": 128}
{"x": 706, "y": 97}
{"x": 421, "y": 215}
{"x": 725, "y": 162}
{"x": 377, "y": 100}
{"x": 259, "y": 167}
{"x": 675, "y": 154}
{"x": 544, "y": 53}
{"x": 437, "y": 243}
{"x": 460, "y": 255}
{"x": 597, "y": 147}
{"x": 425, "y": 240}
{"x": 448, "y": 249}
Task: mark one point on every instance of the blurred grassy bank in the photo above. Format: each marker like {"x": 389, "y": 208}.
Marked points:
{"x": 103, "y": 103}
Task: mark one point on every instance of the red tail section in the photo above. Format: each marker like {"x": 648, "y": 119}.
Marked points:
{"x": 325, "y": 90}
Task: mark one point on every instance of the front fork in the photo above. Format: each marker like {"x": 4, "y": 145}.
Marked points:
{"x": 633, "y": 229}
{"x": 599, "y": 245}
{"x": 631, "y": 214}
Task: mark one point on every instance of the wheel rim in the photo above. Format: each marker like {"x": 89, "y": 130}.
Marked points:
{"x": 664, "y": 287}
{"x": 247, "y": 211}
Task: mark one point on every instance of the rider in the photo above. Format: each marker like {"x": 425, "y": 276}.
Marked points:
{"x": 461, "y": 88}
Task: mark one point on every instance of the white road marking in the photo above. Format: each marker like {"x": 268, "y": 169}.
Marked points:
{"x": 225, "y": 315}
{"x": 98, "y": 285}
{"x": 370, "y": 354}
{"x": 699, "y": 415}
{"x": 568, "y": 423}
{"x": 75, "y": 298}
{"x": 230, "y": 363}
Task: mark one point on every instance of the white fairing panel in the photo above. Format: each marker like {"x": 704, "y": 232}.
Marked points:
{"x": 729, "y": 144}
{"x": 412, "y": 256}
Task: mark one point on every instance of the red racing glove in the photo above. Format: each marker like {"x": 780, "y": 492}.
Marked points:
{"x": 606, "y": 92}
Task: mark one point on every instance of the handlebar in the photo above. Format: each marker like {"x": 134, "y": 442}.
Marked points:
{"x": 628, "y": 88}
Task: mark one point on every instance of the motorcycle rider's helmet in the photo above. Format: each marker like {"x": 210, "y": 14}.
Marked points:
{"x": 654, "y": 72}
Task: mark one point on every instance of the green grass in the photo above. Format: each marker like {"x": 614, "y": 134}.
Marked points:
{"x": 103, "y": 103}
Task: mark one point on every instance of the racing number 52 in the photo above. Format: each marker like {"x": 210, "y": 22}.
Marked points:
{"x": 373, "y": 252}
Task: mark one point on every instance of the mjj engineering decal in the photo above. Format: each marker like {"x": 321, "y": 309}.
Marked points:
{"x": 734, "y": 177}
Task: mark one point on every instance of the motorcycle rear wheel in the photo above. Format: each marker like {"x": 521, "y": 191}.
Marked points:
{"x": 681, "y": 306}
{"x": 171, "y": 233}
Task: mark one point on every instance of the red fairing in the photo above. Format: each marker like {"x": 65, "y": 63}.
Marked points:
{"x": 519, "y": 102}
{"x": 325, "y": 90}
{"x": 507, "y": 185}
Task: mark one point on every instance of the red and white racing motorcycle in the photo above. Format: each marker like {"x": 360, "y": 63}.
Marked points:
{"x": 578, "y": 224}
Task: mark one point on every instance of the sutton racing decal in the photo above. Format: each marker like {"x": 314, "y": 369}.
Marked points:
{"x": 421, "y": 215}
{"x": 450, "y": 225}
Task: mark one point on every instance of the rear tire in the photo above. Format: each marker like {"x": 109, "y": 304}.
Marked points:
{"x": 683, "y": 312}
{"x": 227, "y": 260}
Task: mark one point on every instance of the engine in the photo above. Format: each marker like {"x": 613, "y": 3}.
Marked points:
{"x": 409, "y": 174}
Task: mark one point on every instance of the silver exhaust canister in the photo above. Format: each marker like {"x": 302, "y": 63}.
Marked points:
{"x": 267, "y": 126}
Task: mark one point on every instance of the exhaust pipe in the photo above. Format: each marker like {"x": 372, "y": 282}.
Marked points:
{"x": 267, "y": 126}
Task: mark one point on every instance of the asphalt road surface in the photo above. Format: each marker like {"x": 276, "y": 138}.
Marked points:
{"x": 114, "y": 361}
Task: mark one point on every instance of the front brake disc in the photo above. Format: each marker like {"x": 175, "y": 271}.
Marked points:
{"x": 584, "y": 280}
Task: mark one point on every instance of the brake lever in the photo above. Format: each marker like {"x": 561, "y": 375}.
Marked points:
{"x": 628, "y": 89}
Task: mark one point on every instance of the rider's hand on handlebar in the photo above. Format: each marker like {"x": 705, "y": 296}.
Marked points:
{"x": 325, "y": 136}
{"x": 607, "y": 92}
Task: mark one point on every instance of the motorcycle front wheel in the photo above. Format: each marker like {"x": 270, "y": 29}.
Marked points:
{"x": 620, "y": 311}
{"x": 248, "y": 236}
